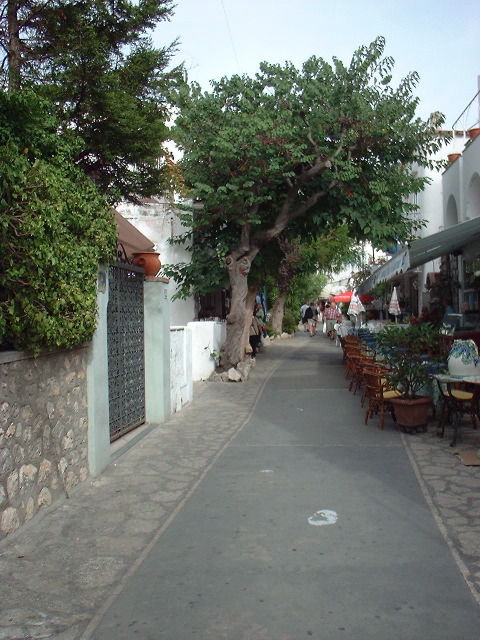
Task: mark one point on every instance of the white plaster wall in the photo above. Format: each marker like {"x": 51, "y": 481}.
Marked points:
{"x": 471, "y": 179}
{"x": 432, "y": 205}
{"x": 461, "y": 182}
{"x": 452, "y": 191}
{"x": 157, "y": 219}
{"x": 181, "y": 384}
{"x": 206, "y": 337}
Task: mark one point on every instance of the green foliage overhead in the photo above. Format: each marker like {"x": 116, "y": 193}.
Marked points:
{"x": 322, "y": 146}
{"x": 95, "y": 63}
{"x": 55, "y": 228}
{"x": 82, "y": 125}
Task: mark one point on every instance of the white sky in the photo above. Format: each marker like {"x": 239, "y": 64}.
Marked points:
{"x": 440, "y": 39}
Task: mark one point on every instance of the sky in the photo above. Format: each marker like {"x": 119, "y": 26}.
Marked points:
{"x": 440, "y": 39}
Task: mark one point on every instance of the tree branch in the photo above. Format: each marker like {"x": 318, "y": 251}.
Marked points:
{"x": 286, "y": 215}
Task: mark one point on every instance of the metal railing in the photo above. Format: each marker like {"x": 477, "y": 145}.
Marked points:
{"x": 475, "y": 97}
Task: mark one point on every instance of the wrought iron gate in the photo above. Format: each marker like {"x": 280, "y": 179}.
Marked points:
{"x": 126, "y": 364}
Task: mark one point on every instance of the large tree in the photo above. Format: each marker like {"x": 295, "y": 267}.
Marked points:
{"x": 94, "y": 61}
{"x": 326, "y": 144}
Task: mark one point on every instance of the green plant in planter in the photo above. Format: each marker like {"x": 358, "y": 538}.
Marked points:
{"x": 409, "y": 351}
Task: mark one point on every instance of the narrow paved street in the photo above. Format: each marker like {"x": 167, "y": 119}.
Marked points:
{"x": 308, "y": 525}
{"x": 265, "y": 510}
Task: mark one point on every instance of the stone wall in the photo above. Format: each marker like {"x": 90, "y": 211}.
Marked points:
{"x": 43, "y": 431}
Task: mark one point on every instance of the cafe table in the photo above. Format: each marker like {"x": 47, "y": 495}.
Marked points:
{"x": 455, "y": 405}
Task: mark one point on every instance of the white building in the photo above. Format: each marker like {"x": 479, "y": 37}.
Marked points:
{"x": 157, "y": 219}
{"x": 449, "y": 247}
{"x": 193, "y": 345}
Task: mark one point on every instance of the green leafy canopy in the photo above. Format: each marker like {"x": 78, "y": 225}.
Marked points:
{"x": 328, "y": 143}
{"x": 94, "y": 61}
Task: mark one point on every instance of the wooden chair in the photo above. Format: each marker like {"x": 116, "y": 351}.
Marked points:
{"x": 379, "y": 395}
{"x": 346, "y": 342}
{"x": 360, "y": 362}
{"x": 372, "y": 367}
{"x": 352, "y": 351}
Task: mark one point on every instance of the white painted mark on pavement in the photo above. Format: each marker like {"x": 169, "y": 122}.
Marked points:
{"x": 325, "y": 516}
{"x": 266, "y": 470}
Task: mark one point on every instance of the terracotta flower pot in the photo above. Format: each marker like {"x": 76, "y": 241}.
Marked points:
{"x": 148, "y": 260}
{"x": 412, "y": 413}
{"x": 453, "y": 156}
{"x": 473, "y": 133}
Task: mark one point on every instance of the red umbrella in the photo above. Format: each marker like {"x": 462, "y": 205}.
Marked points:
{"x": 346, "y": 296}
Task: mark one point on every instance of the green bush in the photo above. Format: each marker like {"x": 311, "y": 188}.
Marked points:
{"x": 55, "y": 229}
{"x": 410, "y": 352}
{"x": 290, "y": 321}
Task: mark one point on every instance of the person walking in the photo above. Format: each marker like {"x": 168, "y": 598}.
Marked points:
{"x": 303, "y": 308}
{"x": 321, "y": 315}
{"x": 255, "y": 334}
{"x": 309, "y": 316}
{"x": 316, "y": 315}
{"x": 332, "y": 316}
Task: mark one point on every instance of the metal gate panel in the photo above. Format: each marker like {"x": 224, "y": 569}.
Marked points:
{"x": 126, "y": 358}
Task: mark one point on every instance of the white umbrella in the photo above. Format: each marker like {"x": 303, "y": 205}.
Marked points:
{"x": 355, "y": 307}
{"x": 394, "y": 306}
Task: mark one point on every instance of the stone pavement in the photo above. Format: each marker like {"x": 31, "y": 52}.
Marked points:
{"x": 452, "y": 492}
{"x": 61, "y": 572}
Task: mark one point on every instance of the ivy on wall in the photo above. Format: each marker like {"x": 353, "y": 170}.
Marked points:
{"x": 55, "y": 229}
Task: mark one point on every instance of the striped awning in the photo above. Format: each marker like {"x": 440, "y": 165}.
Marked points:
{"x": 424, "y": 250}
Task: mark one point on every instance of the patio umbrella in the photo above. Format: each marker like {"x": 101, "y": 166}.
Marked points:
{"x": 394, "y": 306}
{"x": 346, "y": 296}
{"x": 355, "y": 307}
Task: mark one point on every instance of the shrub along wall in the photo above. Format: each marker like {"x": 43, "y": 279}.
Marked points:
{"x": 43, "y": 431}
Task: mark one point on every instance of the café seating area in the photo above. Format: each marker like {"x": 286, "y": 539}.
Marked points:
{"x": 367, "y": 375}
{"x": 367, "y": 371}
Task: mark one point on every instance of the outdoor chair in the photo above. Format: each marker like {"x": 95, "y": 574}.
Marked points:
{"x": 360, "y": 362}
{"x": 345, "y": 343}
{"x": 355, "y": 361}
{"x": 379, "y": 395}
{"x": 463, "y": 399}
{"x": 351, "y": 351}
{"x": 372, "y": 367}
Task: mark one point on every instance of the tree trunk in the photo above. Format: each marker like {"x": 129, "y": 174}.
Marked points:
{"x": 237, "y": 335}
{"x": 14, "y": 47}
{"x": 278, "y": 312}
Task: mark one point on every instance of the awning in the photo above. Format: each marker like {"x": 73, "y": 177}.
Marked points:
{"x": 444, "y": 242}
{"x": 424, "y": 250}
{"x": 398, "y": 264}
{"x": 329, "y": 290}
{"x": 131, "y": 239}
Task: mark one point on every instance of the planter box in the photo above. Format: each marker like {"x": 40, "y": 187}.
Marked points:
{"x": 412, "y": 414}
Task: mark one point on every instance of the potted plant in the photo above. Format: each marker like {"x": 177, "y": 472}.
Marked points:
{"x": 453, "y": 156}
{"x": 411, "y": 353}
{"x": 148, "y": 260}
